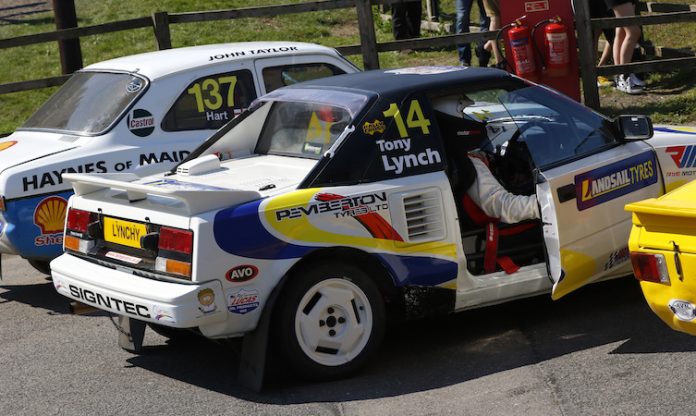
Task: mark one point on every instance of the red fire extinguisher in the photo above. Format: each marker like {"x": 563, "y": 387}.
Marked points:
{"x": 520, "y": 41}
{"x": 556, "y": 56}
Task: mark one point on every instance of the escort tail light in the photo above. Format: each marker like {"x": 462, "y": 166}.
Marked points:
{"x": 181, "y": 268}
{"x": 172, "y": 239}
{"x": 80, "y": 230}
{"x": 3, "y": 208}
{"x": 649, "y": 267}
{"x": 77, "y": 244}
{"x": 78, "y": 220}
{"x": 174, "y": 251}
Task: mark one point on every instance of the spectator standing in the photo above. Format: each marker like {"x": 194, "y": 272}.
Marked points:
{"x": 463, "y": 11}
{"x": 625, "y": 40}
{"x": 406, "y": 19}
{"x": 598, "y": 9}
{"x": 492, "y": 8}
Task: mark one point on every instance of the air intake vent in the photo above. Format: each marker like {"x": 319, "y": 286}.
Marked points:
{"x": 199, "y": 165}
{"x": 424, "y": 216}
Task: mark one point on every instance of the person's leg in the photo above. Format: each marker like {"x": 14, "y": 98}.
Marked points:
{"x": 606, "y": 54}
{"x": 414, "y": 9}
{"x": 399, "y": 26}
{"x": 490, "y": 45}
{"x": 630, "y": 34}
{"x": 624, "y": 45}
{"x": 461, "y": 25}
{"x": 484, "y": 22}
{"x": 436, "y": 10}
{"x": 493, "y": 12}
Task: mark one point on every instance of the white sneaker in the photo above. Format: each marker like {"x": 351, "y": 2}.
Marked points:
{"x": 635, "y": 80}
{"x": 625, "y": 85}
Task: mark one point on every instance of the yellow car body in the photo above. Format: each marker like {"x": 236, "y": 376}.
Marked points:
{"x": 666, "y": 227}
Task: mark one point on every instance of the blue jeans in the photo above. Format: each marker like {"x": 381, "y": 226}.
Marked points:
{"x": 463, "y": 9}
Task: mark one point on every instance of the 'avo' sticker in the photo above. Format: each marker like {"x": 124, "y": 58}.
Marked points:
{"x": 141, "y": 122}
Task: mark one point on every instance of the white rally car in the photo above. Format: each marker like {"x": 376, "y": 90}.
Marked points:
{"x": 141, "y": 114}
{"x": 332, "y": 205}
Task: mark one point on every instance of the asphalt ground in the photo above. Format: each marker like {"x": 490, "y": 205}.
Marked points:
{"x": 599, "y": 351}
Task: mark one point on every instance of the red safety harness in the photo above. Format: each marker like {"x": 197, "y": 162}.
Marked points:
{"x": 491, "y": 258}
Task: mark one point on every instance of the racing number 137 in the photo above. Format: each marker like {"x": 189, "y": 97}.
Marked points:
{"x": 414, "y": 119}
{"x": 211, "y": 88}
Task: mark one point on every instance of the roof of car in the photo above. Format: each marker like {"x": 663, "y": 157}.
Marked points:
{"x": 408, "y": 79}
{"x": 160, "y": 63}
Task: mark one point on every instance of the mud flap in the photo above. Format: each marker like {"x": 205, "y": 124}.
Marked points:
{"x": 131, "y": 334}
{"x": 252, "y": 365}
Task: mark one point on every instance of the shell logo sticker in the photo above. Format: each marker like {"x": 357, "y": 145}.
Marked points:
{"x": 49, "y": 215}
{"x": 6, "y": 145}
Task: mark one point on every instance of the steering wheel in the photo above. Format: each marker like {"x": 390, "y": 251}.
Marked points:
{"x": 516, "y": 165}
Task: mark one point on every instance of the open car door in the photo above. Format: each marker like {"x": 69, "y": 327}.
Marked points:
{"x": 587, "y": 172}
{"x": 585, "y": 226}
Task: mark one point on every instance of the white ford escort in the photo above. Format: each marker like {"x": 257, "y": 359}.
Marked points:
{"x": 141, "y": 114}
{"x": 332, "y": 205}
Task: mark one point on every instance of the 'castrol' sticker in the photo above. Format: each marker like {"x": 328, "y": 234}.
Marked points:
{"x": 141, "y": 122}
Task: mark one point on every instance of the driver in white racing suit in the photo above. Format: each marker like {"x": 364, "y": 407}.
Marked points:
{"x": 496, "y": 201}
{"x": 485, "y": 190}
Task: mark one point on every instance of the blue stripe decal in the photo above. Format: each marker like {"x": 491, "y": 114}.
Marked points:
{"x": 239, "y": 231}
{"x": 668, "y": 130}
{"x": 419, "y": 271}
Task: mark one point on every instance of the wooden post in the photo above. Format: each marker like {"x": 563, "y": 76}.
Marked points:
{"x": 368, "y": 39}
{"x": 160, "y": 25}
{"x": 587, "y": 57}
{"x": 70, "y": 52}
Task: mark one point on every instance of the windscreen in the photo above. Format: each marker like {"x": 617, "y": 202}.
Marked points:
{"x": 88, "y": 104}
{"x": 550, "y": 127}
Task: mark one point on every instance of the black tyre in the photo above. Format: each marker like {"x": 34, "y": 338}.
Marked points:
{"x": 41, "y": 265}
{"x": 330, "y": 321}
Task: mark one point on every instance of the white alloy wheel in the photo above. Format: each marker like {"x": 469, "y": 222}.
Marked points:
{"x": 333, "y": 322}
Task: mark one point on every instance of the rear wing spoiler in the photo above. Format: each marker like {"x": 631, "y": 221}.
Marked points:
{"x": 196, "y": 198}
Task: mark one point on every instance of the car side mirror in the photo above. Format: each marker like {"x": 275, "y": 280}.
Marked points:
{"x": 635, "y": 127}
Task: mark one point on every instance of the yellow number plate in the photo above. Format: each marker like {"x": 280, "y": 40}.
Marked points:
{"x": 123, "y": 232}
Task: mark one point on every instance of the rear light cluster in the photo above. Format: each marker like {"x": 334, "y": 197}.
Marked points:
{"x": 171, "y": 247}
{"x": 649, "y": 267}
{"x": 82, "y": 227}
{"x": 175, "y": 247}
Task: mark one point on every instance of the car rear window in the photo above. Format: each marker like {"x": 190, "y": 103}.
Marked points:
{"x": 90, "y": 103}
{"x": 275, "y": 77}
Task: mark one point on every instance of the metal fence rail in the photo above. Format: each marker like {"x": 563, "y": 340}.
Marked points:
{"x": 161, "y": 22}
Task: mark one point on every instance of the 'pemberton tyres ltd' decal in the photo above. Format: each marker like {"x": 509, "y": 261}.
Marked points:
{"x": 612, "y": 181}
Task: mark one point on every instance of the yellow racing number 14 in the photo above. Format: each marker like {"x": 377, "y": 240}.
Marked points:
{"x": 207, "y": 93}
{"x": 414, "y": 119}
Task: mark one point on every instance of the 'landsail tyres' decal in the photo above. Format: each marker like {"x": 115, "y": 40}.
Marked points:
{"x": 612, "y": 181}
